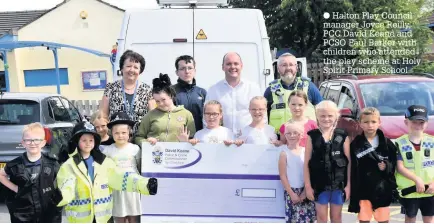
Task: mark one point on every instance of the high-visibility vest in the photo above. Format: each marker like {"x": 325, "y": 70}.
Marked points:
{"x": 280, "y": 112}
{"x": 85, "y": 200}
{"x": 420, "y": 163}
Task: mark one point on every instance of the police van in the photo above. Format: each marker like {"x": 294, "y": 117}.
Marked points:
{"x": 204, "y": 29}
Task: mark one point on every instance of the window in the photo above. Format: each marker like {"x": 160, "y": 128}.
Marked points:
{"x": 57, "y": 111}
{"x": 333, "y": 93}
{"x": 346, "y": 99}
{"x": 19, "y": 112}
{"x": 322, "y": 89}
{"x": 393, "y": 98}
{"x": 45, "y": 77}
{"x": 73, "y": 113}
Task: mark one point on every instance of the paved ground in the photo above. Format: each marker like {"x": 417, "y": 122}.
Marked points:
{"x": 395, "y": 210}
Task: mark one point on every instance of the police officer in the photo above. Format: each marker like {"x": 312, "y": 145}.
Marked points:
{"x": 278, "y": 92}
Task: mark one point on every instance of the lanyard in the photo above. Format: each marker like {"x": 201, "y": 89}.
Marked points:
{"x": 129, "y": 109}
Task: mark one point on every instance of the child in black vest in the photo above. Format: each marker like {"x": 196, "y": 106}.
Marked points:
{"x": 31, "y": 177}
{"x": 327, "y": 164}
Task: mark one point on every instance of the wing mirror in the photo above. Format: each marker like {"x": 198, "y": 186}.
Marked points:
{"x": 346, "y": 112}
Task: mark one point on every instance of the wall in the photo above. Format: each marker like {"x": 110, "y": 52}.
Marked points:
{"x": 63, "y": 25}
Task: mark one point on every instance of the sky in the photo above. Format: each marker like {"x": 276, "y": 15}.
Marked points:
{"x": 22, "y": 5}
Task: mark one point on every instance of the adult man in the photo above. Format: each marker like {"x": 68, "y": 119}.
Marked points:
{"x": 234, "y": 94}
{"x": 278, "y": 92}
{"x": 187, "y": 93}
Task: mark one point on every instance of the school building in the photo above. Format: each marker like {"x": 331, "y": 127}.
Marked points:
{"x": 90, "y": 24}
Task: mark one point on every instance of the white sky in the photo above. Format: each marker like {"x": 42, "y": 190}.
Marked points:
{"x": 21, "y": 5}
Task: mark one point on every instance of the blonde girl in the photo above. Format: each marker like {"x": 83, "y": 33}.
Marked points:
{"x": 100, "y": 121}
{"x": 327, "y": 164}
{"x": 257, "y": 132}
{"x": 298, "y": 209}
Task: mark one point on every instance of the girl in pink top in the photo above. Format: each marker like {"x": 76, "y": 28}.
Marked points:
{"x": 297, "y": 102}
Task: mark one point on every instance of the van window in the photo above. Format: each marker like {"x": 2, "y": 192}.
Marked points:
{"x": 57, "y": 111}
{"x": 19, "y": 112}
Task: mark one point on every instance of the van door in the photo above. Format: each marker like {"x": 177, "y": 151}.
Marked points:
{"x": 228, "y": 30}
{"x": 160, "y": 35}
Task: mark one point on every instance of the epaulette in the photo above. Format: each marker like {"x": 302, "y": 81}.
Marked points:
{"x": 305, "y": 78}
{"x": 274, "y": 82}
{"x": 51, "y": 156}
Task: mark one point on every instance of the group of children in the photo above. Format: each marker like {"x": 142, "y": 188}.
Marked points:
{"x": 97, "y": 182}
{"x": 318, "y": 166}
{"x": 369, "y": 171}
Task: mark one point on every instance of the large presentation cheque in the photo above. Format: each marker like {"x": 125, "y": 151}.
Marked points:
{"x": 213, "y": 183}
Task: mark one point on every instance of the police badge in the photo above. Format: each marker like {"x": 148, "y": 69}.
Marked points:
{"x": 156, "y": 155}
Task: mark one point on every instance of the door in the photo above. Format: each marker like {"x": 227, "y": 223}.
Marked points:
{"x": 62, "y": 127}
{"x": 227, "y": 30}
{"x": 347, "y": 99}
{"x": 160, "y": 36}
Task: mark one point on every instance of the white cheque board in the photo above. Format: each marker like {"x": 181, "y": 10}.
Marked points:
{"x": 213, "y": 183}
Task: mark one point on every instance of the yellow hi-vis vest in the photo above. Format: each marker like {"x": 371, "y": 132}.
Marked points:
{"x": 280, "y": 112}
{"x": 421, "y": 163}
{"x": 85, "y": 200}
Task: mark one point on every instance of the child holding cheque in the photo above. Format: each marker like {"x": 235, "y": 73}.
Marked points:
{"x": 298, "y": 209}
{"x": 213, "y": 132}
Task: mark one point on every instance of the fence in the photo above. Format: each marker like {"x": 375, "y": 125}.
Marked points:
{"x": 315, "y": 71}
{"x": 86, "y": 107}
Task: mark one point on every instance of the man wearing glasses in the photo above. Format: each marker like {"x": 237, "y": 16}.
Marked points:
{"x": 187, "y": 93}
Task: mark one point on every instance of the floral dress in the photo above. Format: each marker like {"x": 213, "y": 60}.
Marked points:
{"x": 302, "y": 212}
{"x": 116, "y": 100}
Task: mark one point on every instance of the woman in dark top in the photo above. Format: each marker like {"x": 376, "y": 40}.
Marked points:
{"x": 128, "y": 94}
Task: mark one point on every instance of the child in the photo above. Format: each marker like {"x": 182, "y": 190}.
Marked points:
{"x": 373, "y": 162}
{"x": 164, "y": 122}
{"x": 100, "y": 120}
{"x": 213, "y": 132}
{"x": 86, "y": 180}
{"x": 297, "y": 102}
{"x": 31, "y": 177}
{"x": 415, "y": 166}
{"x": 327, "y": 164}
{"x": 258, "y": 132}
{"x": 127, "y": 156}
{"x": 291, "y": 162}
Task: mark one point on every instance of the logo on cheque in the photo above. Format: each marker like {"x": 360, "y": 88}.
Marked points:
{"x": 157, "y": 154}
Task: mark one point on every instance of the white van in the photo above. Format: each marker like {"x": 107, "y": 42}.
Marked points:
{"x": 206, "y": 30}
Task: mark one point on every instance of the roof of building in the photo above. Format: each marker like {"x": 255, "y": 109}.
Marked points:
{"x": 11, "y": 20}
{"x": 19, "y": 19}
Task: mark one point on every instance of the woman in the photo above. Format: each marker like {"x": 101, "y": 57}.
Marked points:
{"x": 167, "y": 123}
{"x": 128, "y": 94}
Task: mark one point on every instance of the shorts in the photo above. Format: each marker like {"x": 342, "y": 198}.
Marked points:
{"x": 412, "y": 205}
{"x": 381, "y": 214}
{"x": 336, "y": 197}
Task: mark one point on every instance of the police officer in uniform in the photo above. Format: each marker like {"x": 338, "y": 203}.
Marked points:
{"x": 278, "y": 92}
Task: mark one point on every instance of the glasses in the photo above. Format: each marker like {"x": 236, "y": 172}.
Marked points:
{"x": 186, "y": 69}
{"x": 30, "y": 141}
{"x": 212, "y": 114}
{"x": 258, "y": 110}
{"x": 293, "y": 134}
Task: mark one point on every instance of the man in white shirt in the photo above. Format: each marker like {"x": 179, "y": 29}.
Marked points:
{"x": 234, "y": 94}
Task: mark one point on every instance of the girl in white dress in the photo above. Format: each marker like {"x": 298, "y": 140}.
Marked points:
{"x": 126, "y": 205}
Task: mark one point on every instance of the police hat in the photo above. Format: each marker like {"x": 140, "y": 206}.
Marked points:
{"x": 120, "y": 118}
{"x": 85, "y": 127}
{"x": 417, "y": 112}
